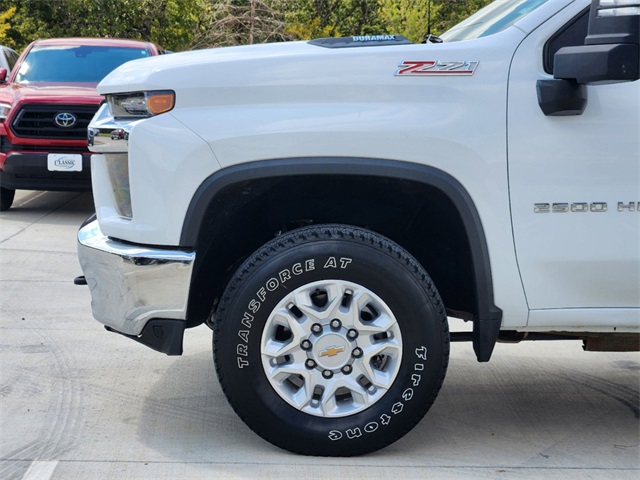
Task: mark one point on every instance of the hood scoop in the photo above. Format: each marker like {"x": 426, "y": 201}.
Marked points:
{"x": 360, "y": 41}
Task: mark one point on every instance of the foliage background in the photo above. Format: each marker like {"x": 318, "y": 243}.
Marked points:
{"x": 187, "y": 24}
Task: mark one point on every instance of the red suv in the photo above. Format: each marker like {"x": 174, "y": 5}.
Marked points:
{"x": 45, "y": 107}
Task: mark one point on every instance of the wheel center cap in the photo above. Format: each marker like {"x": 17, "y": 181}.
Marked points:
{"x": 331, "y": 351}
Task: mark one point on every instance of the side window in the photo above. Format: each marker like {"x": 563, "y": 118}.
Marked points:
{"x": 12, "y": 57}
{"x": 572, "y": 34}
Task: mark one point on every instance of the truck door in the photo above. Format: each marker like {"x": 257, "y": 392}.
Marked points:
{"x": 574, "y": 187}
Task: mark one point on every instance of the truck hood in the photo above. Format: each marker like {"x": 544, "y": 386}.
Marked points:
{"x": 291, "y": 64}
{"x": 50, "y": 92}
{"x": 234, "y": 66}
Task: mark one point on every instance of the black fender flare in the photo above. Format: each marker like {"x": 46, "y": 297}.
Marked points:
{"x": 489, "y": 318}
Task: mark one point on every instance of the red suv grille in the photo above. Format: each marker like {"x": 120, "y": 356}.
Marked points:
{"x": 48, "y": 121}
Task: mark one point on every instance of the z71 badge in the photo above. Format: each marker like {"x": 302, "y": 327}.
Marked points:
{"x": 436, "y": 67}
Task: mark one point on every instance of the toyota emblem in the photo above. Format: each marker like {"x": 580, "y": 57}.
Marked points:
{"x": 66, "y": 120}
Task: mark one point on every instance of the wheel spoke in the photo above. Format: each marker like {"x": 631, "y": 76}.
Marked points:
{"x": 274, "y": 347}
{"x": 386, "y": 356}
{"x": 369, "y": 316}
{"x": 296, "y": 385}
{"x": 344, "y": 395}
{"x": 314, "y": 312}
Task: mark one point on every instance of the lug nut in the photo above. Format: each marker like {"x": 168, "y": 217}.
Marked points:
{"x": 347, "y": 369}
{"x": 306, "y": 345}
{"x": 357, "y": 352}
{"x": 336, "y": 324}
{"x": 310, "y": 364}
{"x": 327, "y": 374}
{"x": 352, "y": 334}
{"x": 316, "y": 328}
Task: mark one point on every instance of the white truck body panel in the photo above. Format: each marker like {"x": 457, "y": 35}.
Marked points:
{"x": 575, "y": 260}
{"x": 296, "y": 100}
{"x": 323, "y": 207}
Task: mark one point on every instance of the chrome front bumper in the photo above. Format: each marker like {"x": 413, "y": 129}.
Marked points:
{"x": 131, "y": 284}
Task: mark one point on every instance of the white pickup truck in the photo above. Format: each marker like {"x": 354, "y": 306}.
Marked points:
{"x": 325, "y": 206}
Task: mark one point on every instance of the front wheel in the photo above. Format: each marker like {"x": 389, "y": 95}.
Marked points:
{"x": 331, "y": 340}
{"x": 6, "y": 198}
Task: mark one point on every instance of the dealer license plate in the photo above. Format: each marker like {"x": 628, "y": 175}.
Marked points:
{"x": 64, "y": 162}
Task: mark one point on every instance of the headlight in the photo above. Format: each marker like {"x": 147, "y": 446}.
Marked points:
{"x": 5, "y": 108}
{"x": 141, "y": 104}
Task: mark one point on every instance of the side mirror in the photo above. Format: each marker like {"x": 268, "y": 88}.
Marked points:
{"x": 594, "y": 64}
{"x": 611, "y": 52}
{"x": 3, "y": 75}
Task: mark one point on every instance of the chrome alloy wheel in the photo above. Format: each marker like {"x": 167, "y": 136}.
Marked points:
{"x": 331, "y": 348}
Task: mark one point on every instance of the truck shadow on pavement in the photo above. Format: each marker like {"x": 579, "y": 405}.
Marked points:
{"x": 46, "y": 201}
{"x": 529, "y": 410}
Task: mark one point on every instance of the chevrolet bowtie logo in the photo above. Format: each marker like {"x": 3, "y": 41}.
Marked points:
{"x": 332, "y": 351}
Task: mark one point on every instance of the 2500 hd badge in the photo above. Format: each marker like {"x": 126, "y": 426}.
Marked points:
{"x": 583, "y": 207}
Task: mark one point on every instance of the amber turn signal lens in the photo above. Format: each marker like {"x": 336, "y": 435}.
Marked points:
{"x": 158, "y": 103}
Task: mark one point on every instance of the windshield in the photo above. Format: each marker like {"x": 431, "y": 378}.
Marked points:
{"x": 71, "y": 64}
{"x": 493, "y": 18}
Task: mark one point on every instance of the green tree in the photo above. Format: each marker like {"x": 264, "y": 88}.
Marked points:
{"x": 410, "y": 18}
{"x": 241, "y": 22}
{"x": 416, "y": 18}
{"x": 171, "y": 23}
{"x": 333, "y": 18}
{"x": 5, "y": 24}
{"x": 184, "y": 24}
{"x": 450, "y": 12}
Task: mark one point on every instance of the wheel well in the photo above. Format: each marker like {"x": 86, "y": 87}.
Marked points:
{"x": 420, "y": 217}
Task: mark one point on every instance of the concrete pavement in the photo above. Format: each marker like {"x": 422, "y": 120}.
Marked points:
{"x": 78, "y": 402}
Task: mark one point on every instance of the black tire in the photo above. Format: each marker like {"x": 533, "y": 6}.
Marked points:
{"x": 334, "y": 255}
{"x": 6, "y": 198}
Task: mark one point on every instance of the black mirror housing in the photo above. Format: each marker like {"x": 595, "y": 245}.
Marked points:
{"x": 592, "y": 64}
{"x": 611, "y": 50}
{"x": 561, "y": 98}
